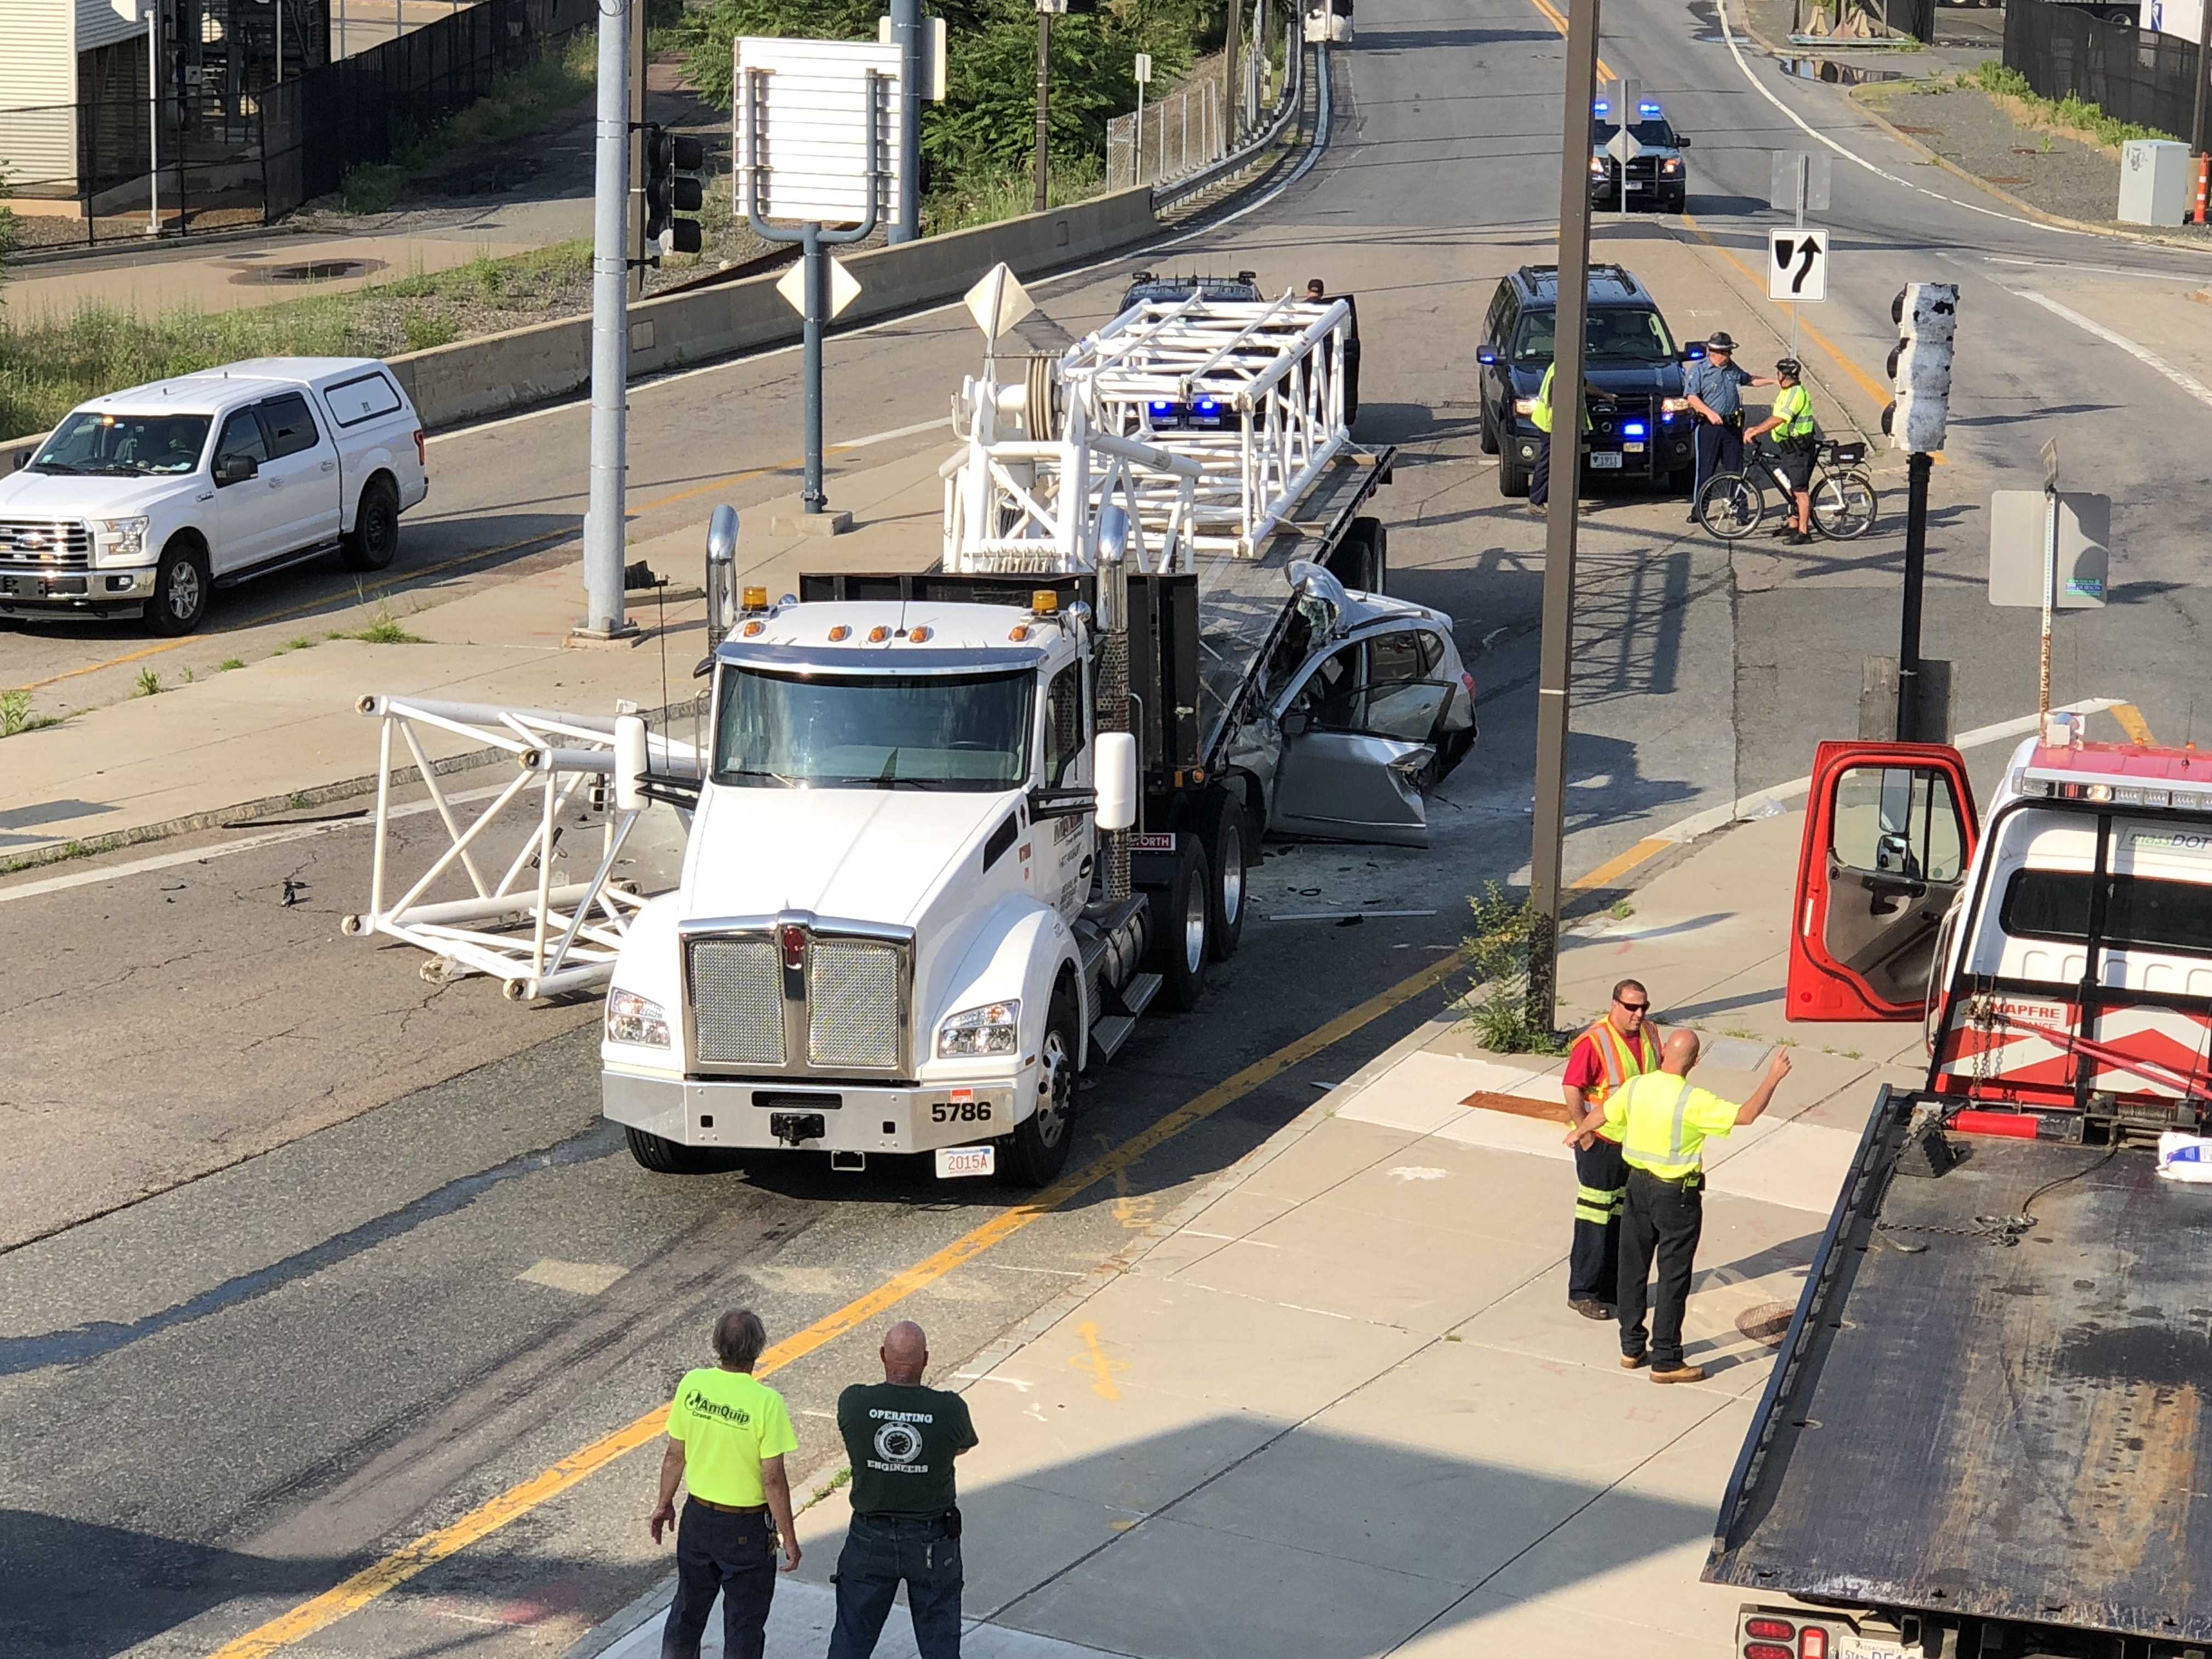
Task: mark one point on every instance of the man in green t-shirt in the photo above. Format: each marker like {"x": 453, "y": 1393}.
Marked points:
{"x": 727, "y": 1435}
{"x": 901, "y": 1438}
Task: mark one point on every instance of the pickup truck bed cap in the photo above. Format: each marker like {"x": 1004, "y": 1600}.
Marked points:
{"x": 257, "y": 376}
{"x": 2019, "y": 1432}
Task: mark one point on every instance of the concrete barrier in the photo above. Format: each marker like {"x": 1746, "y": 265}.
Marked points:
{"x": 497, "y": 373}
{"x": 475, "y": 380}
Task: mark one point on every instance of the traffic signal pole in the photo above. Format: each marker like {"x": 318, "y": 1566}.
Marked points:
{"x": 1548, "y": 849}
{"x": 605, "y": 520}
{"x": 906, "y": 35}
{"x": 1918, "y": 469}
{"x": 1040, "y": 200}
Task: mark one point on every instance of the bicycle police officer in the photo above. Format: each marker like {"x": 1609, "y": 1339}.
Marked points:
{"x": 1797, "y": 441}
{"x": 1714, "y": 386}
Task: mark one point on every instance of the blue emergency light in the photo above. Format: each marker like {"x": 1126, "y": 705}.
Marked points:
{"x": 1647, "y": 108}
{"x": 1600, "y": 106}
{"x": 1632, "y": 429}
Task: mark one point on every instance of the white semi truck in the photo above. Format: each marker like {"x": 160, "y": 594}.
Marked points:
{"x": 954, "y": 832}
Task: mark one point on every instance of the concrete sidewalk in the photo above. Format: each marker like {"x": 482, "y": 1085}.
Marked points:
{"x": 1339, "y": 1407}
{"x": 281, "y": 732}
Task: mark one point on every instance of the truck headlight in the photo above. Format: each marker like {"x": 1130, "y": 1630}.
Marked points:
{"x": 1598, "y": 166}
{"x": 1671, "y": 164}
{"x": 1673, "y": 405}
{"x": 126, "y": 537}
{"x": 634, "y": 1019}
{"x": 994, "y": 1029}
{"x": 1524, "y": 405}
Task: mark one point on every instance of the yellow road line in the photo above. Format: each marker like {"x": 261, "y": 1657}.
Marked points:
{"x": 373, "y": 1581}
{"x": 2132, "y": 722}
{"x": 1559, "y": 22}
{"x": 1093, "y": 1359}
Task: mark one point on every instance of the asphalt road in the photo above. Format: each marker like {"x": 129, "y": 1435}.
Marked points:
{"x": 318, "y": 1260}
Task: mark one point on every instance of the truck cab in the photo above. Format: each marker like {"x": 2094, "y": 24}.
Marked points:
{"x": 878, "y": 944}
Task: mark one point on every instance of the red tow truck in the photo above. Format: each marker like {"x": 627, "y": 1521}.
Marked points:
{"x": 1988, "y": 1433}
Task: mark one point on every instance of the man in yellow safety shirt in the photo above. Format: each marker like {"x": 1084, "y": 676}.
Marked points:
{"x": 1539, "y": 473}
{"x": 1662, "y": 1120}
{"x": 1622, "y": 1045}
{"x": 1797, "y": 441}
{"x": 727, "y": 1435}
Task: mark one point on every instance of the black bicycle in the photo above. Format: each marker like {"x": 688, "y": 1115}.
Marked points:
{"x": 1844, "y": 505}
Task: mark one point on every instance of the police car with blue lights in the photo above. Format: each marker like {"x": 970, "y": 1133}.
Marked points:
{"x": 1658, "y": 177}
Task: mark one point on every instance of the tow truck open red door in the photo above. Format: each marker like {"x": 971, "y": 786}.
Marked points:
{"x": 1889, "y": 831}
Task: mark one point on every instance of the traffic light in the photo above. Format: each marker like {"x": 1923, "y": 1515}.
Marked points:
{"x": 1927, "y": 315}
{"x": 673, "y": 163}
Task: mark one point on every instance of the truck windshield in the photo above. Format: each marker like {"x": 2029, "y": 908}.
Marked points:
{"x": 127, "y": 446}
{"x": 1617, "y": 334}
{"x": 953, "y": 731}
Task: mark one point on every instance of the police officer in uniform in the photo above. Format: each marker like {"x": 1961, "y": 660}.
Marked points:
{"x": 727, "y": 1435}
{"x": 901, "y": 1438}
{"x": 1622, "y": 1045}
{"x": 1662, "y": 1120}
{"x": 1798, "y": 439}
{"x": 1714, "y": 386}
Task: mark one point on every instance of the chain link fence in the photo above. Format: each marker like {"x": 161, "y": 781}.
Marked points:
{"x": 2132, "y": 74}
{"x": 1168, "y": 140}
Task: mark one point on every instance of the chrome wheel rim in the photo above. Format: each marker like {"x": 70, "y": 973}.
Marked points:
{"x": 183, "y": 590}
{"x": 1052, "y": 1089}
{"x": 1194, "y": 929}
{"x": 1232, "y": 873}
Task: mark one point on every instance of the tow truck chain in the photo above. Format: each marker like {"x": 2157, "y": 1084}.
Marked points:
{"x": 2005, "y": 1230}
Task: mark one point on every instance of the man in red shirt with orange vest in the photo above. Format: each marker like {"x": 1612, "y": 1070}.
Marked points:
{"x": 1622, "y": 1045}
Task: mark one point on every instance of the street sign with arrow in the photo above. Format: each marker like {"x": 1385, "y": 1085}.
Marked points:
{"x": 1798, "y": 265}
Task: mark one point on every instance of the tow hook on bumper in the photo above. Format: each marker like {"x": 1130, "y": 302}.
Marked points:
{"x": 791, "y": 1128}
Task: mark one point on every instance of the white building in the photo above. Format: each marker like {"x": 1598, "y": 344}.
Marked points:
{"x": 58, "y": 54}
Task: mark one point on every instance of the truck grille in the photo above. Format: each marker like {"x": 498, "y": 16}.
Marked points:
{"x": 44, "y": 544}
{"x": 853, "y": 1003}
{"x": 842, "y": 1006}
{"x": 737, "y": 1002}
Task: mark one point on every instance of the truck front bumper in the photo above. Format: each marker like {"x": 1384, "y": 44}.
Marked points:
{"x": 43, "y": 593}
{"x": 827, "y": 1117}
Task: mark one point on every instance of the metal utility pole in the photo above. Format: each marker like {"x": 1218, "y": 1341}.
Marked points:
{"x": 1547, "y": 889}
{"x": 906, "y": 36}
{"x": 1045, "y": 9}
{"x": 1232, "y": 91}
{"x": 604, "y": 522}
{"x": 1804, "y": 182}
{"x": 634, "y": 210}
{"x": 2204, "y": 74}
{"x": 1918, "y": 466}
{"x": 2050, "y": 558}
{"x": 154, "y": 122}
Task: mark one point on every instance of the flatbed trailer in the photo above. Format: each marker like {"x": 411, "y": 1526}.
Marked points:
{"x": 1972, "y": 1419}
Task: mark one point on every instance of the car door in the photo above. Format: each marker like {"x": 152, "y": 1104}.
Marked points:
{"x": 1355, "y": 749}
{"x": 301, "y": 472}
{"x": 1890, "y": 830}
{"x": 249, "y": 515}
{"x": 1067, "y": 766}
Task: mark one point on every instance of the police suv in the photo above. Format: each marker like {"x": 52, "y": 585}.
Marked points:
{"x": 1658, "y": 177}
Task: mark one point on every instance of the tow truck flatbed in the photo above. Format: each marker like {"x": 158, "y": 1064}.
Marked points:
{"x": 2020, "y": 1432}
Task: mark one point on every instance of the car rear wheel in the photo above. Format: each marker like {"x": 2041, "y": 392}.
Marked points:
{"x": 374, "y": 541}
{"x": 182, "y": 588}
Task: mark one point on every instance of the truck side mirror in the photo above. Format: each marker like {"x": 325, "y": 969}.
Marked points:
{"x": 1485, "y": 353}
{"x": 630, "y": 763}
{"x": 1115, "y": 765}
{"x": 236, "y": 469}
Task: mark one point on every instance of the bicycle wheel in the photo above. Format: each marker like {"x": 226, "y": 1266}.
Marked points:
{"x": 1730, "y": 506}
{"x": 1844, "y": 505}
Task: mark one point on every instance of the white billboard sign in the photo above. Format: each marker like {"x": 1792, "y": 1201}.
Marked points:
{"x": 2180, "y": 18}
{"x": 801, "y": 117}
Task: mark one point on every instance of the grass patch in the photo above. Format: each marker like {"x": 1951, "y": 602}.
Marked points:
{"x": 229, "y": 663}
{"x": 986, "y": 197}
{"x": 387, "y": 630}
{"x": 372, "y": 187}
{"x": 149, "y": 683}
{"x": 2069, "y": 113}
{"x": 17, "y": 718}
{"x": 303, "y": 643}
{"x": 1506, "y": 929}
{"x": 1621, "y": 910}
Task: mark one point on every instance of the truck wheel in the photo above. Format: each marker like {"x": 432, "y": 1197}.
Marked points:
{"x": 1228, "y": 849}
{"x": 1180, "y": 917}
{"x": 182, "y": 587}
{"x": 1490, "y": 444}
{"x": 1359, "y": 560}
{"x": 374, "y": 541}
{"x": 1513, "y": 479}
{"x": 1037, "y": 1151}
{"x": 666, "y": 1156}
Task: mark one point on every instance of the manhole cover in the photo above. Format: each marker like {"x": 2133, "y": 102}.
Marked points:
{"x": 1767, "y": 1323}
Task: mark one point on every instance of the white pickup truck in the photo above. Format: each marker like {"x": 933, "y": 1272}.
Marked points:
{"x": 144, "y": 502}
